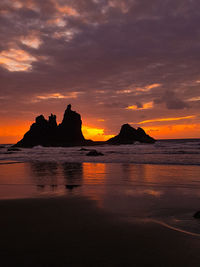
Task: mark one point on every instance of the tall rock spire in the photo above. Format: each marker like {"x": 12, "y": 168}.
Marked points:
{"x": 70, "y": 128}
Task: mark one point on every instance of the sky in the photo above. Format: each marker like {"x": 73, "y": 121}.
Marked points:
{"x": 115, "y": 61}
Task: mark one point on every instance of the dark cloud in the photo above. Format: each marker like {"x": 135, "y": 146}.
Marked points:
{"x": 171, "y": 101}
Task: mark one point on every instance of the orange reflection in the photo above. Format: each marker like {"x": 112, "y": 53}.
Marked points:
{"x": 160, "y": 174}
{"x": 94, "y": 173}
{"x": 13, "y": 174}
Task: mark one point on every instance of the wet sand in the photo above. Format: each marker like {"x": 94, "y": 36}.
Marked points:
{"x": 74, "y": 231}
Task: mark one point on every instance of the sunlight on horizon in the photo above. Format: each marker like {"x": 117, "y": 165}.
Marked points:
{"x": 15, "y": 130}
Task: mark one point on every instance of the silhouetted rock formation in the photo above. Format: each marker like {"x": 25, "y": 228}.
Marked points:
{"x": 46, "y": 132}
{"x": 84, "y": 149}
{"x": 94, "y": 153}
{"x": 128, "y": 135}
{"x": 197, "y": 215}
{"x": 71, "y": 186}
{"x": 13, "y": 149}
{"x": 68, "y": 133}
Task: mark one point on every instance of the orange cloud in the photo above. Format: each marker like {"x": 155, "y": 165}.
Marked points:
{"x": 30, "y": 4}
{"x": 32, "y": 40}
{"x": 197, "y": 98}
{"x": 65, "y": 9}
{"x": 56, "y": 96}
{"x": 57, "y": 21}
{"x": 132, "y": 88}
{"x": 147, "y": 105}
{"x": 148, "y": 87}
{"x": 167, "y": 119}
{"x": 154, "y": 85}
{"x": 16, "y": 60}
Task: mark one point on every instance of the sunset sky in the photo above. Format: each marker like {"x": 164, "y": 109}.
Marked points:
{"x": 115, "y": 61}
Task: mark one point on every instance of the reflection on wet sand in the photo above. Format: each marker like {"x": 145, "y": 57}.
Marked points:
{"x": 169, "y": 194}
{"x": 72, "y": 186}
{"x": 56, "y": 177}
{"x": 69, "y": 176}
{"x": 72, "y": 173}
{"x": 115, "y": 187}
{"x": 94, "y": 176}
{"x": 94, "y": 173}
{"x": 43, "y": 174}
{"x": 133, "y": 172}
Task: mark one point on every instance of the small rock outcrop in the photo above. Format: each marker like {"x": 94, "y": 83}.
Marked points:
{"x": 71, "y": 186}
{"x": 129, "y": 135}
{"x": 197, "y": 215}
{"x": 47, "y": 133}
{"x": 13, "y": 149}
{"x": 94, "y": 153}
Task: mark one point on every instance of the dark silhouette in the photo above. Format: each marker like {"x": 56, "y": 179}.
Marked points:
{"x": 68, "y": 133}
{"x": 128, "y": 135}
{"x": 13, "y": 149}
{"x": 84, "y": 149}
{"x": 94, "y": 153}
{"x": 47, "y": 133}
{"x": 197, "y": 215}
{"x": 71, "y": 186}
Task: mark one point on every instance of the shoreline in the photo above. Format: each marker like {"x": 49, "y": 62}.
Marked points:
{"x": 7, "y": 162}
{"x": 93, "y": 214}
{"x": 76, "y": 232}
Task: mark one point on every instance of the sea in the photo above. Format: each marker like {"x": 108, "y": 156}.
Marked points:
{"x": 157, "y": 182}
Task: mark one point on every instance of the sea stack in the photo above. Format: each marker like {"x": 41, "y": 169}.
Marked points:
{"x": 129, "y": 135}
{"x": 47, "y": 133}
{"x": 69, "y": 131}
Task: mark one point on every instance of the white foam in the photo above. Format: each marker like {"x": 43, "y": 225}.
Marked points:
{"x": 181, "y": 152}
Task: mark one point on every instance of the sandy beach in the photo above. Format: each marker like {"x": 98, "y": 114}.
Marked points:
{"x": 98, "y": 214}
{"x": 70, "y": 231}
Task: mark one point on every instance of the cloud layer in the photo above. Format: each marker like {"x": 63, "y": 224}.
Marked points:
{"x": 116, "y": 61}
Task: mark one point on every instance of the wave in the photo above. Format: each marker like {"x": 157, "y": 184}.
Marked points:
{"x": 162, "y": 152}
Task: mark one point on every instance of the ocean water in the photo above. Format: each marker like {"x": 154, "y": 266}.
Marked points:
{"x": 156, "y": 182}
{"x": 179, "y": 151}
